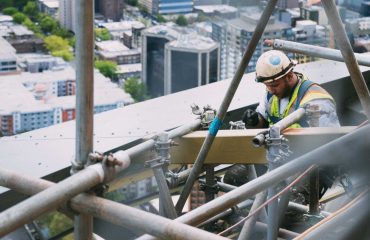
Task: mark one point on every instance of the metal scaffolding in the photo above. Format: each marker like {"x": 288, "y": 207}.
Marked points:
{"x": 75, "y": 195}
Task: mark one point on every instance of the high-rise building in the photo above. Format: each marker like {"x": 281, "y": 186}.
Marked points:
{"x": 67, "y": 14}
{"x": 110, "y": 9}
{"x": 283, "y": 4}
{"x": 8, "y": 58}
{"x": 235, "y": 34}
{"x": 176, "y": 59}
{"x": 168, "y": 6}
{"x": 190, "y": 61}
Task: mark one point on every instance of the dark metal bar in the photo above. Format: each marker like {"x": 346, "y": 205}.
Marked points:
{"x": 225, "y": 104}
{"x": 330, "y": 152}
{"x": 210, "y": 182}
{"x": 314, "y": 192}
{"x": 316, "y": 51}
{"x": 349, "y": 58}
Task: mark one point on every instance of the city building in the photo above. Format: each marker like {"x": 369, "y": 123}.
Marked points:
{"x": 110, "y": 9}
{"x": 176, "y": 59}
{"x": 50, "y": 7}
{"x": 8, "y": 58}
{"x": 235, "y": 34}
{"x": 168, "y": 6}
{"x": 224, "y": 11}
{"x": 309, "y": 32}
{"x": 22, "y": 39}
{"x": 36, "y": 100}
{"x": 117, "y": 52}
{"x": 207, "y": 2}
{"x": 128, "y": 71}
{"x": 314, "y": 13}
{"x": 284, "y": 4}
{"x": 39, "y": 62}
{"x": 128, "y": 32}
{"x": 359, "y": 26}
{"x": 190, "y": 61}
{"x": 67, "y": 14}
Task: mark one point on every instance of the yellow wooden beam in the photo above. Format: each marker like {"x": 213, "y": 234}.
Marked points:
{"x": 235, "y": 146}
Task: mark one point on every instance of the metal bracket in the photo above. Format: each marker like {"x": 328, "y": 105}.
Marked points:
{"x": 212, "y": 189}
{"x": 207, "y": 115}
{"x": 237, "y": 125}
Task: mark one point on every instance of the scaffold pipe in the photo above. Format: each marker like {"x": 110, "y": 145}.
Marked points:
{"x": 113, "y": 212}
{"x": 348, "y": 55}
{"x": 217, "y": 122}
{"x": 54, "y": 196}
{"x": 330, "y": 152}
{"x": 316, "y": 51}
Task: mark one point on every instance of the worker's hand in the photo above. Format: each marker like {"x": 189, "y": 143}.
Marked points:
{"x": 250, "y": 118}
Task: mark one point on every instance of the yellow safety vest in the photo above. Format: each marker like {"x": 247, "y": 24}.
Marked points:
{"x": 304, "y": 92}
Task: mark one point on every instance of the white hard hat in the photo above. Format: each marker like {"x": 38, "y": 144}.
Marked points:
{"x": 272, "y": 65}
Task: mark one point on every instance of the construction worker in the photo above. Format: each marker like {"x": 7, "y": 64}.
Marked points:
{"x": 286, "y": 92}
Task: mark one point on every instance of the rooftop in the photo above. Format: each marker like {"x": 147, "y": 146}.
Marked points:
{"x": 7, "y": 51}
{"x": 126, "y": 68}
{"x": 48, "y": 150}
{"x": 213, "y": 8}
{"x": 21, "y": 99}
{"x": 111, "y": 46}
{"x": 193, "y": 42}
{"x": 122, "y": 26}
{"x": 51, "y": 3}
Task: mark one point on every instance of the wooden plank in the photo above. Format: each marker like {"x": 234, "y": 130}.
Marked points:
{"x": 235, "y": 146}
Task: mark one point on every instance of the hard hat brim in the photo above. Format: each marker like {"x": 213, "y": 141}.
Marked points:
{"x": 277, "y": 76}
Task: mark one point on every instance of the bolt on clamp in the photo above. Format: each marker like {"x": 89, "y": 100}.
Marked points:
{"x": 207, "y": 115}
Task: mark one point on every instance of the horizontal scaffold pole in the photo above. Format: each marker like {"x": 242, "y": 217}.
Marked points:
{"x": 113, "y": 212}
{"x": 53, "y": 197}
{"x": 315, "y": 51}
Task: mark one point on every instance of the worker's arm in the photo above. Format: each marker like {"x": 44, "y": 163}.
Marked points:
{"x": 328, "y": 116}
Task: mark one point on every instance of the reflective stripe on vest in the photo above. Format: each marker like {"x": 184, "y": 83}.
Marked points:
{"x": 310, "y": 91}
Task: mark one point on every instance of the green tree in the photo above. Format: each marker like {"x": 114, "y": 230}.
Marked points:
{"x": 56, "y": 223}
{"x": 19, "y": 17}
{"x": 31, "y": 10}
{"x": 48, "y": 24}
{"x": 20, "y": 3}
{"x": 10, "y": 11}
{"x": 102, "y": 34}
{"x": 32, "y": 26}
{"x": 6, "y": 3}
{"x": 62, "y": 32}
{"x": 65, "y": 54}
{"x": 107, "y": 68}
{"x": 181, "y": 20}
{"x": 136, "y": 89}
{"x": 160, "y": 18}
{"x": 133, "y": 2}
{"x": 55, "y": 43}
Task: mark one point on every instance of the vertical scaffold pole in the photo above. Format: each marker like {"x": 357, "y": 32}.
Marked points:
{"x": 348, "y": 55}
{"x": 84, "y": 17}
{"x": 216, "y": 124}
